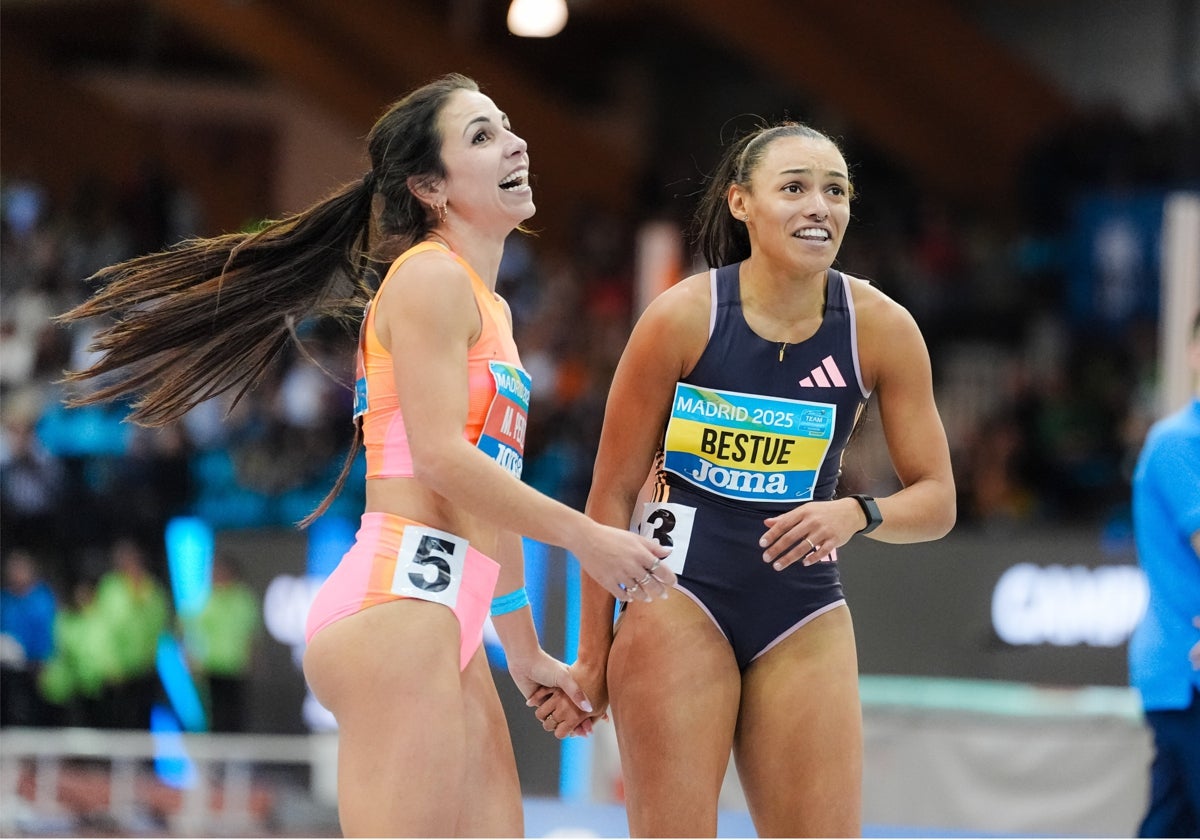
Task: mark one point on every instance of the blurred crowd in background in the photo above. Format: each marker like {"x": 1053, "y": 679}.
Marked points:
{"x": 1046, "y": 401}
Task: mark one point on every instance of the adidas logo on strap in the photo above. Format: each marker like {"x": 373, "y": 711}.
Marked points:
{"x": 824, "y": 375}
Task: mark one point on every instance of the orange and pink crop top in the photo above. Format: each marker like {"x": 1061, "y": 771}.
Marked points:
{"x": 499, "y": 388}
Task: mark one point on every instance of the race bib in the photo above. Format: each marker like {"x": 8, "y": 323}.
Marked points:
{"x": 670, "y": 525}
{"x": 747, "y": 447}
{"x": 360, "y": 367}
{"x": 429, "y": 565}
{"x": 503, "y": 435}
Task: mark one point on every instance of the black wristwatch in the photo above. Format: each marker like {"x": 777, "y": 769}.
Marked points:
{"x": 874, "y": 517}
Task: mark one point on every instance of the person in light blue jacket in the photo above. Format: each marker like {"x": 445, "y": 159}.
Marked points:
{"x": 1164, "y": 652}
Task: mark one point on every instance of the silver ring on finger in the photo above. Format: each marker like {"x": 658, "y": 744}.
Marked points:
{"x": 550, "y": 720}
{"x": 631, "y": 589}
{"x": 811, "y": 550}
{"x": 657, "y": 562}
{"x": 649, "y": 576}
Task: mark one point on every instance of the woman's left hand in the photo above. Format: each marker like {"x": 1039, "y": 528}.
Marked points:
{"x": 810, "y": 532}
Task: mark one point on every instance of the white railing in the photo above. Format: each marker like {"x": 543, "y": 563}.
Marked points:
{"x": 217, "y": 800}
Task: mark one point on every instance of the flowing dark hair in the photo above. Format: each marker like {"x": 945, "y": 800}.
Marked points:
{"x": 720, "y": 237}
{"x": 210, "y": 315}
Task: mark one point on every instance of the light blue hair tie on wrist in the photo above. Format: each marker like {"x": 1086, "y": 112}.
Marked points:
{"x": 511, "y": 602}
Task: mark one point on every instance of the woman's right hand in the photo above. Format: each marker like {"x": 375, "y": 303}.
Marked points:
{"x": 557, "y": 713}
{"x": 628, "y": 565}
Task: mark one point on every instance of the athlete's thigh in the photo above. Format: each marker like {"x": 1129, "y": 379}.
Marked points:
{"x": 389, "y": 675}
{"x": 491, "y": 805}
{"x": 799, "y": 737}
{"x": 674, "y": 688}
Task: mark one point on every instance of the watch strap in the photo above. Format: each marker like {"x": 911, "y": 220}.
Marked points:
{"x": 871, "y": 510}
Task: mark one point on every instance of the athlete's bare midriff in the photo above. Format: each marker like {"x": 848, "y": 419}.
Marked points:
{"x": 411, "y": 499}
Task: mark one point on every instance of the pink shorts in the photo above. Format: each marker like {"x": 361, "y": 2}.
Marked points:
{"x": 394, "y": 558}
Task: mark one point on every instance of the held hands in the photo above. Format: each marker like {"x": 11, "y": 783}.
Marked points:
{"x": 559, "y": 715}
{"x": 809, "y": 533}
{"x": 541, "y": 675}
{"x": 628, "y": 565}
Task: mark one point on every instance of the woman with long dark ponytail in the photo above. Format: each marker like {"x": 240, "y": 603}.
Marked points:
{"x": 395, "y": 633}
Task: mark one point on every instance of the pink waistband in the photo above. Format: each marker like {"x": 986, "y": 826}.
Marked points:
{"x": 366, "y": 576}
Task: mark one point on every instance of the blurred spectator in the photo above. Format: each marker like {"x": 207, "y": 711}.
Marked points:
{"x": 31, "y": 480}
{"x": 93, "y": 233}
{"x": 157, "y": 211}
{"x": 1164, "y": 653}
{"x": 152, "y": 483}
{"x": 134, "y": 606}
{"x": 219, "y": 641}
{"x": 936, "y": 263}
{"x": 997, "y": 492}
{"x": 78, "y": 679}
{"x": 17, "y": 353}
{"x": 27, "y": 610}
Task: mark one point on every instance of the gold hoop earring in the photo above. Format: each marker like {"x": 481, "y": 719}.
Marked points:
{"x": 440, "y": 210}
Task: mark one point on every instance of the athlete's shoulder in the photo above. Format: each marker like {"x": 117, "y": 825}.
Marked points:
{"x": 434, "y": 262}
{"x": 430, "y": 293}
{"x": 429, "y": 271}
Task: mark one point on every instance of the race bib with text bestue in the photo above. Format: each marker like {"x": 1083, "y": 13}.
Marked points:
{"x": 747, "y": 447}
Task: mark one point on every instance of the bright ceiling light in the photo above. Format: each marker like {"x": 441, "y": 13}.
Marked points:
{"x": 537, "y": 18}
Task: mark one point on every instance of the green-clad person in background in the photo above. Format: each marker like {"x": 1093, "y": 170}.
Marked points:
{"x": 135, "y": 605}
{"x": 220, "y": 643}
{"x": 79, "y": 677}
